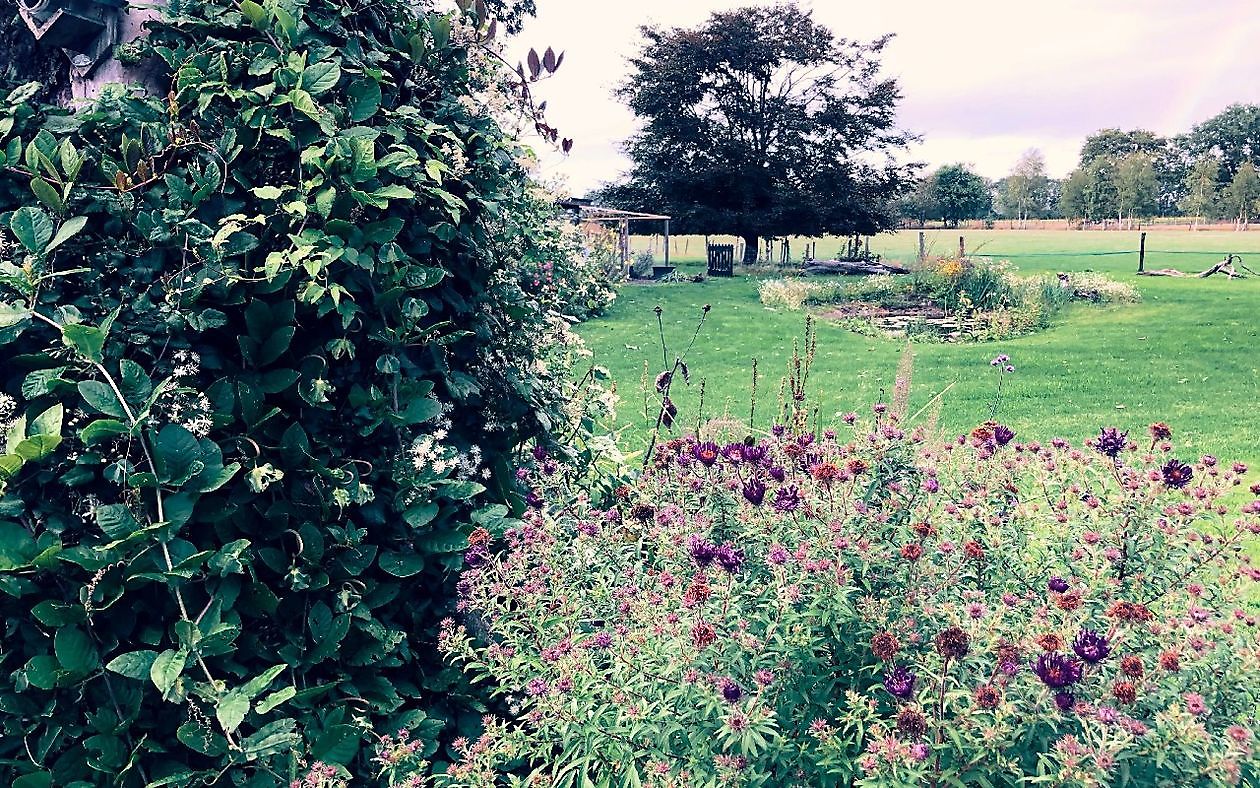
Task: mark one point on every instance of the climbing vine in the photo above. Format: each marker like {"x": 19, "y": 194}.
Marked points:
{"x": 265, "y": 359}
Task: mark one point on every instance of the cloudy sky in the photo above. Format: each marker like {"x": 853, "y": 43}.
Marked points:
{"x": 983, "y": 80}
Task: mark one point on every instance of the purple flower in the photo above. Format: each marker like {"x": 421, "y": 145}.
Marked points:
{"x": 731, "y": 692}
{"x": 754, "y": 492}
{"x": 540, "y": 453}
{"x": 476, "y": 556}
{"x": 778, "y": 474}
{"x": 534, "y": 500}
{"x": 537, "y": 687}
{"x": 603, "y": 639}
{"x": 1091, "y": 646}
{"x": 787, "y": 499}
{"x": 1176, "y": 474}
{"x": 1057, "y": 585}
{"x": 899, "y": 682}
{"x": 1111, "y": 442}
{"x": 1064, "y": 700}
{"x": 778, "y": 430}
{"x": 752, "y": 454}
{"x": 778, "y": 554}
{"x": 729, "y": 558}
{"x": 733, "y": 452}
{"x": 1057, "y": 670}
{"x": 706, "y": 453}
{"x": 702, "y": 550}
{"x": 1003, "y": 434}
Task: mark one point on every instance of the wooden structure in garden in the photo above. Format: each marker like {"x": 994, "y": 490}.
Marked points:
{"x": 594, "y": 214}
{"x": 721, "y": 259}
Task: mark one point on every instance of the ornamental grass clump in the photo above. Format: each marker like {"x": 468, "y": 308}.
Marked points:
{"x": 865, "y": 607}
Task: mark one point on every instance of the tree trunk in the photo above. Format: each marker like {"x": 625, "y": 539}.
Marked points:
{"x": 750, "y": 249}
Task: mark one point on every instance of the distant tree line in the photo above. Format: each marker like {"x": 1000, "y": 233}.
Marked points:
{"x": 1123, "y": 177}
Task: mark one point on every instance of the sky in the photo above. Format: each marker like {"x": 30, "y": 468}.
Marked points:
{"x": 982, "y": 80}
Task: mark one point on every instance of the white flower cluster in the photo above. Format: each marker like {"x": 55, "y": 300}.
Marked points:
{"x": 189, "y": 409}
{"x": 8, "y": 409}
{"x": 454, "y": 156}
{"x": 187, "y": 363}
{"x": 429, "y": 455}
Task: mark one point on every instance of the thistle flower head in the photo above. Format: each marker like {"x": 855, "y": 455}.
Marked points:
{"x": 1111, "y": 442}
{"x": 1056, "y": 670}
{"x": 1091, "y": 646}
{"x": 1176, "y": 474}
{"x": 899, "y": 682}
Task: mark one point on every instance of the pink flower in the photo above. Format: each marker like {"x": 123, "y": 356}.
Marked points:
{"x": 1195, "y": 704}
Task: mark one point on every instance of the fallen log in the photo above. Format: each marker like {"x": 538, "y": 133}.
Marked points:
{"x": 851, "y": 267}
{"x": 1225, "y": 266}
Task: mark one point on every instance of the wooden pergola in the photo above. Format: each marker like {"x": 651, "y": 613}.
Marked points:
{"x": 593, "y": 213}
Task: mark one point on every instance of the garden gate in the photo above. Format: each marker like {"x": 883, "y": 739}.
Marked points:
{"x": 721, "y": 259}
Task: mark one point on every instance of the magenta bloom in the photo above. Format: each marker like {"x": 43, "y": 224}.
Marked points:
{"x": 706, "y": 453}
{"x": 787, "y": 499}
{"x": 1091, "y": 646}
{"x": 702, "y": 551}
{"x": 1176, "y": 474}
{"x": 752, "y": 454}
{"x": 899, "y": 682}
{"x": 1111, "y": 441}
{"x": 1056, "y": 670}
{"x": 754, "y": 492}
{"x": 729, "y": 558}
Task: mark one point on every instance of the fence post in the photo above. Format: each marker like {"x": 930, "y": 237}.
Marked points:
{"x": 667, "y": 242}
{"x": 1142, "y": 253}
{"x": 922, "y": 246}
{"x": 962, "y": 247}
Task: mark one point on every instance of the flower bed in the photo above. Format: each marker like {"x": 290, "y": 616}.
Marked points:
{"x": 946, "y": 300}
{"x": 864, "y": 607}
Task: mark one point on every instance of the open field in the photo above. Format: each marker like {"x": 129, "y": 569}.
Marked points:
{"x": 1189, "y": 354}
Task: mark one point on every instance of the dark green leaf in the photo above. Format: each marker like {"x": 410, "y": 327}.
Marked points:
{"x": 32, "y": 227}
{"x": 135, "y": 665}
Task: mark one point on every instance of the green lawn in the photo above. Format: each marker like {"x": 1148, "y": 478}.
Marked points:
{"x": 1189, "y": 354}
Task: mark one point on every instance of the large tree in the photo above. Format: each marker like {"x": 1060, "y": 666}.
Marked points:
{"x": 1232, "y": 136}
{"x": 959, "y": 194}
{"x": 1201, "y": 190}
{"x": 763, "y": 123}
{"x": 1137, "y": 188}
{"x": 1167, "y": 157}
{"x": 1025, "y": 190}
{"x": 1243, "y": 194}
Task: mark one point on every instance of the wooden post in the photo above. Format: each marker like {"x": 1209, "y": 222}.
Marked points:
{"x": 1142, "y": 253}
{"x": 962, "y": 247}
{"x": 667, "y": 242}
{"x": 922, "y": 246}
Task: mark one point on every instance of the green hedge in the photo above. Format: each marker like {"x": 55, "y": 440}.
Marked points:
{"x": 263, "y": 365}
